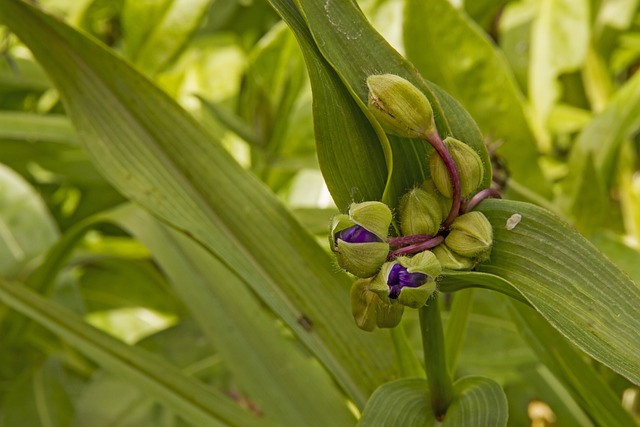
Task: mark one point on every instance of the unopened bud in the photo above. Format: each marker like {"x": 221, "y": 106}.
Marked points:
{"x": 467, "y": 163}
{"x": 451, "y": 260}
{"x": 369, "y": 310}
{"x": 400, "y": 107}
{"x": 420, "y": 213}
{"x": 471, "y": 235}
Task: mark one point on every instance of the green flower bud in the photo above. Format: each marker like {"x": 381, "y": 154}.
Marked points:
{"x": 359, "y": 239}
{"x": 468, "y": 165}
{"x": 420, "y": 213}
{"x": 410, "y": 281}
{"x": 369, "y": 310}
{"x": 400, "y": 107}
{"x": 451, "y": 260}
{"x": 471, "y": 235}
{"x": 444, "y": 202}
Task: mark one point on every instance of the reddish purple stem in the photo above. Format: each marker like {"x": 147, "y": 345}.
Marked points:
{"x": 412, "y": 249}
{"x": 397, "y": 242}
{"x": 436, "y": 142}
{"x": 480, "y": 196}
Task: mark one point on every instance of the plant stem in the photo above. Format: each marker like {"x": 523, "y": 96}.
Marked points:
{"x": 436, "y": 142}
{"x": 409, "y": 240}
{"x": 480, "y": 196}
{"x": 440, "y": 385}
{"x": 412, "y": 249}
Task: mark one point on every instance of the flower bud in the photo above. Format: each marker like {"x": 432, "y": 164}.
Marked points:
{"x": 468, "y": 165}
{"x": 359, "y": 239}
{"x": 420, "y": 213}
{"x": 410, "y": 281}
{"x": 444, "y": 202}
{"x": 471, "y": 235}
{"x": 369, "y": 310}
{"x": 400, "y": 107}
{"x": 451, "y": 260}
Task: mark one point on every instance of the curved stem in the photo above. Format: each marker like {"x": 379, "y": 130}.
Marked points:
{"x": 397, "y": 242}
{"x": 412, "y": 249}
{"x": 436, "y": 142}
{"x": 440, "y": 385}
{"x": 480, "y": 196}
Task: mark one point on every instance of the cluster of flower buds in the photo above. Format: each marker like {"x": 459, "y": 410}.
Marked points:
{"x": 437, "y": 230}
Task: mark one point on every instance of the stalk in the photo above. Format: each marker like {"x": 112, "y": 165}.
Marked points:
{"x": 436, "y": 142}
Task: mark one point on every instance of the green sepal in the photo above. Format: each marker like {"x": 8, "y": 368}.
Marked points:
{"x": 468, "y": 164}
{"x": 420, "y": 213}
{"x": 443, "y": 202}
{"x": 471, "y": 235}
{"x": 374, "y": 216}
{"x": 451, "y": 260}
{"x": 369, "y": 310}
{"x": 361, "y": 259}
{"x": 400, "y": 107}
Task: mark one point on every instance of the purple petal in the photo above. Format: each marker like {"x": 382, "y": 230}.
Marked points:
{"x": 357, "y": 234}
{"x": 399, "y": 278}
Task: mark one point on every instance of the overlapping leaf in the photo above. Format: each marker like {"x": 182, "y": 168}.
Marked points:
{"x": 157, "y": 155}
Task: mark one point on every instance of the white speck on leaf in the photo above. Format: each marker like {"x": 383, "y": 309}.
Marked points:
{"x": 513, "y": 221}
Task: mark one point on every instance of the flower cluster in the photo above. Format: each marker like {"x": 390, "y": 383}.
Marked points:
{"x": 437, "y": 227}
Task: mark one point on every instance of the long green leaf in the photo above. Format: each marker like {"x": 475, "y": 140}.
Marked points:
{"x": 593, "y": 393}
{"x": 477, "y": 402}
{"x": 564, "y": 277}
{"x": 188, "y": 397}
{"x": 478, "y": 76}
{"x": 158, "y": 156}
{"x": 267, "y": 364}
{"x": 354, "y": 50}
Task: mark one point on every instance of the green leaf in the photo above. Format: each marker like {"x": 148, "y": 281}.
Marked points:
{"x": 600, "y": 143}
{"x": 156, "y": 31}
{"x": 478, "y": 76}
{"x": 477, "y": 402}
{"x": 190, "y": 398}
{"x": 38, "y": 398}
{"x": 158, "y": 156}
{"x": 268, "y": 365}
{"x": 559, "y": 42}
{"x": 354, "y": 50}
{"x": 566, "y": 362}
{"x": 30, "y": 127}
{"x": 565, "y": 278}
{"x": 26, "y": 227}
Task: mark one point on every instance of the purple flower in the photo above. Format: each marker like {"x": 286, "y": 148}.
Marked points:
{"x": 399, "y": 277}
{"x": 357, "y": 234}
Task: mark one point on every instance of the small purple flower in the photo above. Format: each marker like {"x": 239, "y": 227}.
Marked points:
{"x": 399, "y": 277}
{"x": 357, "y": 234}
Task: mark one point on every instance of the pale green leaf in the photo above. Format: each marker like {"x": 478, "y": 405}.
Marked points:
{"x": 190, "y": 398}
{"x": 559, "y": 42}
{"x": 478, "y": 76}
{"x": 158, "y": 156}
{"x": 26, "y": 226}
{"x": 157, "y": 30}
{"x": 30, "y": 127}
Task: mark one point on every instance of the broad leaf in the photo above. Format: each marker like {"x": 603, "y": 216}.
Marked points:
{"x": 477, "y": 402}
{"x": 566, "y": 279}
{"x": 158, "y": 156}
{"x": 478, "y": 76}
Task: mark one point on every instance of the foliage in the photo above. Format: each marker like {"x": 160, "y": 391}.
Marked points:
{"x": 166, "y": 176}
